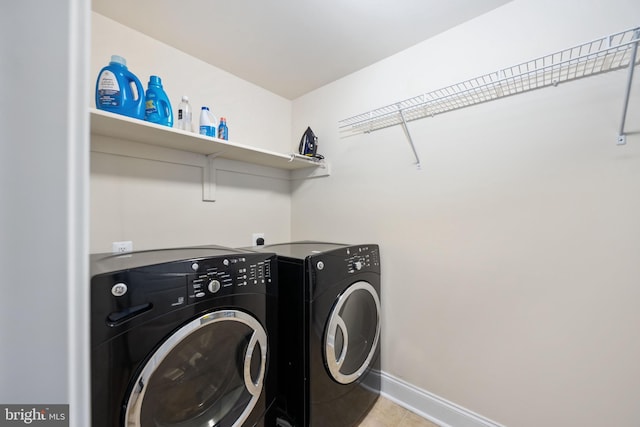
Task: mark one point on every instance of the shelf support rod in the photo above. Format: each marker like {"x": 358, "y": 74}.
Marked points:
{"x": 406, "y": 132}
{"x": 622, "y": 137}
{"x": 209, "y": 176}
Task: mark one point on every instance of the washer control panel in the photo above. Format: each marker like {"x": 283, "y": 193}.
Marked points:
{"x": 360, "y": 258}
{"x": 220, "y": 276}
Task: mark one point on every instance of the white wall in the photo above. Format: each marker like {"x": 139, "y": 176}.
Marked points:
{"x": 158, "y": 203}
{"x": 44, "y": 160}
{"x": 510, "y": 261}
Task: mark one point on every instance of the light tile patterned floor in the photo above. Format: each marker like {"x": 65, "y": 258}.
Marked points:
{"x": 385, "y": 413}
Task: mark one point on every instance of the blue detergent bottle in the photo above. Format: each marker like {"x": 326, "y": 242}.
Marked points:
{"x": 119, "y": 91}
{"x": 223, "y": 130}
{"x": 157, "y": 106}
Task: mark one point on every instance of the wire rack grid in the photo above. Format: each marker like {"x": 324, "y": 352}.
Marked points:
{"x": 599, "y": 56}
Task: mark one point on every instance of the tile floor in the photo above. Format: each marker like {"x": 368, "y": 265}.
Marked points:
{"x": 385, "y": 413}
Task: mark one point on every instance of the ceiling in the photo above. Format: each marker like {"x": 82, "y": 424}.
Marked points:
{"x": 291, "y": 47}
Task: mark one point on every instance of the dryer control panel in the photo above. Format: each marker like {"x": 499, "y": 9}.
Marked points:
{"x": 220, "y": 276}
{"x": 348, "y": 260}
{"x": 360, "y": 258}
{"x": 130, "y": 289}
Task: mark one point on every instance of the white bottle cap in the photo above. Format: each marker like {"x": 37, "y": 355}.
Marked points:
{"x": 119, "y": 60}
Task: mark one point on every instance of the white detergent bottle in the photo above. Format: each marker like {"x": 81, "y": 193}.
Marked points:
{"x": 208, "y": 122}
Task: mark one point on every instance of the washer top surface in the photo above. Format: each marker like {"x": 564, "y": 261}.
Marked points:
{"x": 108, "y": 262}
{"x": 301, "y": 250}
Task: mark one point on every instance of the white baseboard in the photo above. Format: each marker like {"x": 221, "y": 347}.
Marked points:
{"x": 430, "y": 406}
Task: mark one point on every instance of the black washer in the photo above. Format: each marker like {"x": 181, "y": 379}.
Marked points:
{"x": 183, "y": 337}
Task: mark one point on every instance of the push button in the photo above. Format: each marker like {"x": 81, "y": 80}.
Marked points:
{"x": 214, "y": 286}
{"x": 119, "y": 289}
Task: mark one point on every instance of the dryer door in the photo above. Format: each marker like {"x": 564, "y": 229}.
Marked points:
{"x": 208, "y": 373}
{"x": 352, "y": 333}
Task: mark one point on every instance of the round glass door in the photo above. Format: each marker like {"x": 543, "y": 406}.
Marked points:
{"x": 208, "y": 373}
{"x": 352, "y": 333}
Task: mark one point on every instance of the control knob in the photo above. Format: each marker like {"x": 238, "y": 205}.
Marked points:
{"x": 357, "y": 265}
{"x": 214, "y": 286}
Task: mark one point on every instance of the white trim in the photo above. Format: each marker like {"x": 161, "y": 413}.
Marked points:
{"x": 210, "y": 163}
{"x": 209, "y": 179}
{"x": 117, "y": 147}
{"x": 138, "y": 150}
{"x": 428, "y": 405}
{"x": 237, "y": 166}
{"x": 307, "y": 173}
{"x": 78, "y": 160}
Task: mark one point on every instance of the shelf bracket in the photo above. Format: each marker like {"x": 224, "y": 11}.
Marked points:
{"x": 408, "y": 135}
{"x": 622, "y": 137}
{"x": 209, "y": 174}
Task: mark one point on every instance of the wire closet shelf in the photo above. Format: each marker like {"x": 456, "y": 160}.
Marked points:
{"x": 608, "y": 53}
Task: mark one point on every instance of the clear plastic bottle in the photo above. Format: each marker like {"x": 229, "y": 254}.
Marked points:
{"x": 184, "y": 115}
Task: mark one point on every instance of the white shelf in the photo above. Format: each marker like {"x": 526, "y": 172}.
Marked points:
{"x": 123, "y": 127}
{"x": 608, "y": 53}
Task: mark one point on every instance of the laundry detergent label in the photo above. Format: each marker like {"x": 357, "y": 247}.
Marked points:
{"x": 108, "y": 90}
{"x": 151, "y": 107}
{"x": 207, "y": 130}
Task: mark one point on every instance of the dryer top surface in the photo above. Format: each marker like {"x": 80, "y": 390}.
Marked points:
{"x": 301, "y": 250}
{"x": 107, "y": 262}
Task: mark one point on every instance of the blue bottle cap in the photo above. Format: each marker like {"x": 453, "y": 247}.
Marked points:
{"x": 155, "y": 80}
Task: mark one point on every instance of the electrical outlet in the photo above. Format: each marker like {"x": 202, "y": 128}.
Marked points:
{"x": 255, "y": 237}
{"x": 122, "y": 247}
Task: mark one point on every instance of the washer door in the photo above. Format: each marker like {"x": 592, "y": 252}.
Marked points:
{"x": 352, "y": 333}
{"x": 208, "y": 373}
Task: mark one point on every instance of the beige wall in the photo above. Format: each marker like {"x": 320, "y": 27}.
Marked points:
{"x": 510, "y": 261}
{"x": 158, "y": 203}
